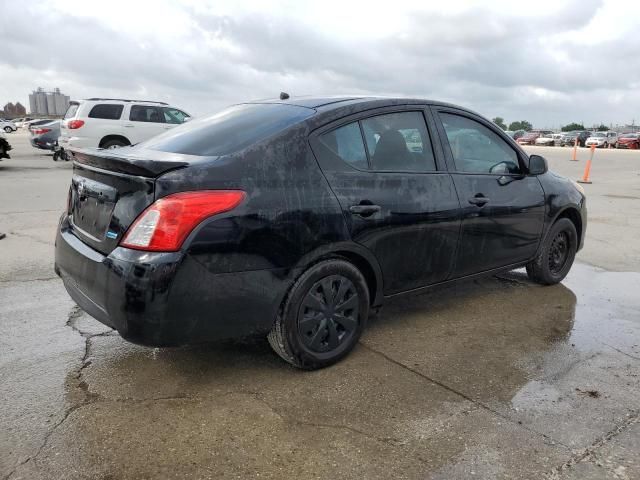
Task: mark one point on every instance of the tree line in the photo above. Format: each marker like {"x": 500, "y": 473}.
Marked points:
{"x": 526, "y": 126}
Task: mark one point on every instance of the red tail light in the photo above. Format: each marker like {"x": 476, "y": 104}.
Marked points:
{"x": 166, "y": 223}
{"x": 40, "y": 131}
{"x": 73, "y": 124}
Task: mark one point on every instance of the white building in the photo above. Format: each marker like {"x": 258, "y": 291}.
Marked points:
{"x": 48, "y": 103}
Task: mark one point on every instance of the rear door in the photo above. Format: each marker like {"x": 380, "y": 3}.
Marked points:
{"x": 502, "y": 207}
{"x": 145, "y": 121}
{"x": 397, "y": 198}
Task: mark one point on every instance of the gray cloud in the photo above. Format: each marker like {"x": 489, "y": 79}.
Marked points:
{"x": 496, "y": 63}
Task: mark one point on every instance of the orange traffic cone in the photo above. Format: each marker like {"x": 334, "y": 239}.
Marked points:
{"x": 587, "y": 168}
{"x": 574, "y": 158}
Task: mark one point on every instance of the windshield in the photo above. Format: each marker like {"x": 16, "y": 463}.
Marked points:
{"x": 230, "y": 130}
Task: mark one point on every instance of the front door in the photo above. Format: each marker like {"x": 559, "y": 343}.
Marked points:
{"x": 502, "y": 207}
{"x": 398, "y": 201}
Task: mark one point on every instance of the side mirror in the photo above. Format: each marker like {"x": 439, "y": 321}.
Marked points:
{"x": 538, "y": 165}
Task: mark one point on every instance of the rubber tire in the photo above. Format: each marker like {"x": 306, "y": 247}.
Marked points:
{"x": 114, "y": 143}
{"x": 538, "y": 269}
{"x": 283, "y": 336}
{"x": 8, "y": 129}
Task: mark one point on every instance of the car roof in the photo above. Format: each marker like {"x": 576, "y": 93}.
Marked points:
{"x": 120, "y": 100}
{"x": 330, "y": 102}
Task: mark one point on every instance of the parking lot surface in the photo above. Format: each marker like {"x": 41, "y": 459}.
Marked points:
{"x": 493, "y": 378}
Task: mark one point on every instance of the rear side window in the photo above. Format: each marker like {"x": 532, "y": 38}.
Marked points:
{"x": 230, "y": 130}
{"x": 106, "y": 111}
{"x": 394, "y": 142}
{"x": 71, "y": 111}
{"x": 399, "y": 141}
{"x": 346, "y": 142}
{"x": 144, "y": 113}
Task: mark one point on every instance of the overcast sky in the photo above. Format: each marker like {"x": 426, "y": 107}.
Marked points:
{"x": 550, "y": 62}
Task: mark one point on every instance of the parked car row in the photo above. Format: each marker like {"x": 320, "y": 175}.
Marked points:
{"x": 99, "y": 123}
{"x": 584, "y": 138}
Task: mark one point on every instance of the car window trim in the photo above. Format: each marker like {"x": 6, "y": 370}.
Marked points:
{"x": 444, "y": 139}
{"x": 375, "y": 112}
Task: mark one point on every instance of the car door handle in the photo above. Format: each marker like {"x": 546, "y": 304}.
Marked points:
{"x": 479, "y": 201}
{"x": 364, "y": 210}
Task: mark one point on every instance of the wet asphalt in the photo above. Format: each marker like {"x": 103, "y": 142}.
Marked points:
{"x": 493, "y": 378}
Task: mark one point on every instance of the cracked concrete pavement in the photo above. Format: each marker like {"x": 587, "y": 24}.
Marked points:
{"x": 496, "y": 378}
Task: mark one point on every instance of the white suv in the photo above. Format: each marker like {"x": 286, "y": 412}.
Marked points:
{"x": 112, "y": 123}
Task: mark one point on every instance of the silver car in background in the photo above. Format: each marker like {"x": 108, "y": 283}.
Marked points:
{"x": 45, "y": 136}
{"x": 602, "y": 139}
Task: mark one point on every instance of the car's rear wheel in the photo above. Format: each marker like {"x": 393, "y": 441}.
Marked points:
{"x": 115, "y": 143}
{"x": 8, "y": 129}
{"x": 556, "y": 255}
{"x": 323, "y": 315}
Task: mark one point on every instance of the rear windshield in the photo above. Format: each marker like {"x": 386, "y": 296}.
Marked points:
{"x": 71, "y": 111}
{"x": 106, "y": 111}
{"x": 230, "y": 130}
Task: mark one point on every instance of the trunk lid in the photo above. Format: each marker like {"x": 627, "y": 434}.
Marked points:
{"x": 110, "y": 188}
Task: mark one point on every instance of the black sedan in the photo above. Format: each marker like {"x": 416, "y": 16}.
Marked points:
{"x": 294, "y": 218}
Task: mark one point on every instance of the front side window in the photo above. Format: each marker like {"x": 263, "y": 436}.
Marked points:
{"x": 477, "y": 149}
{"x": 106, "y": 111}
{"x": 395, "y": 142}
{"x": 144, "y": 113}
{"x": 171, "y": 115}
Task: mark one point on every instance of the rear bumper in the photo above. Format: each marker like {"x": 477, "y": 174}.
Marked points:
{"x": 44, "y": 144}
{"x": 74, "y": 142}
{"x": 167, "y": 299}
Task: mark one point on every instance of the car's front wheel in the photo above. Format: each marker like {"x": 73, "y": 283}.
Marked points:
{"x": 323, "y": 315}
{"x": 8, "y": 129}
{"x": 556, "y": 254}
